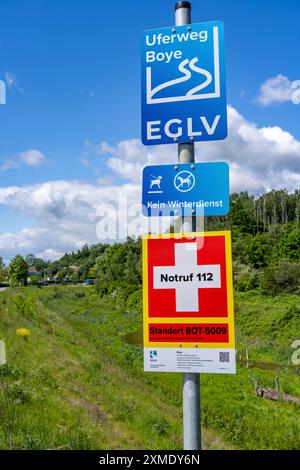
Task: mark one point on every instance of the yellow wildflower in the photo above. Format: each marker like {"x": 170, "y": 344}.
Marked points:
{"x": 23, "y": 332}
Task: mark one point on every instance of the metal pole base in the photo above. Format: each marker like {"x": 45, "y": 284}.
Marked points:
{"x": 191, "y": 411}
{"x": 191, "y": 382}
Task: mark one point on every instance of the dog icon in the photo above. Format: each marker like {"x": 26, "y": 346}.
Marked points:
{"x": 156, "y": 181}
{"x": 184, "y": 181}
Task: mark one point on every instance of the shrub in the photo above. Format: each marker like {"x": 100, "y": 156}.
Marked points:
{"x": 7, "y": 370}
{"x": 17, "y": 394}
{"x": 282, "y": 278}
{"x": 259, "y": 250}
{"x": 34, "y": 280}
{"x": 245, "y": 277}
{"x": 79, "y": 294}
{"x": 291, "y": 246}
{"x": 25, "y": 305}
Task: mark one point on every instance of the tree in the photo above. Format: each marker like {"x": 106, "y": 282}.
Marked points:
{"x": 290, "y": 246}
{"x": 61, "y": 275}
{"x": 119, "y": 267}
{"x": 18, "y": 269}
{"x": 259, "y": 250}
{"x": 74, "y": 277}
{"x": 40, "y": 265}
{"x": 133, "y": 266}
{"x": 282, "y": 278}
{"x": 92, "y": 272}
{"x": 2, "y": 269}
{"x": 240, "y": 217}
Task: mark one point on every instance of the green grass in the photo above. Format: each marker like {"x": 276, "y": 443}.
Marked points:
{"x": 77, "y": 383}
{"x": 267, "y": 326}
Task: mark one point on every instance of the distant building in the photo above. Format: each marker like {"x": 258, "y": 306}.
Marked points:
{"x": 32, "y": 271}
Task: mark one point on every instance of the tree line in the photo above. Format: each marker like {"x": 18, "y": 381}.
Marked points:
{"x": 266, "y": 250}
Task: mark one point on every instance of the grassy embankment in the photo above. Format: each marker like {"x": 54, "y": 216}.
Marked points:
{"x": 77, "y": 383}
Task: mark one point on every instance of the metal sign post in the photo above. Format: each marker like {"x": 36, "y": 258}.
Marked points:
{"x": 191, "y": 382}
{"x": 183, "y": 101}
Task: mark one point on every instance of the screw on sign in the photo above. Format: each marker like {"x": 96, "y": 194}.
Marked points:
{"x": 188, "y": 303}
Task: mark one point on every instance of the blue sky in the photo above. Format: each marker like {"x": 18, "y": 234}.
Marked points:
{"x": 73, "y": 75}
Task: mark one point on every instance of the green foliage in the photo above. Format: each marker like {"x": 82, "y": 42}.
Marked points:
{"x": 284, "y": 277}
{"x": 290, "y": 246}
{"x": 240, "y": 218}
{"x": 88, "y": 342}
{"x": 160, "y": 426}
{"x": 259, "y": 250}
{"x": 119, "y": 266}
{"x": 245, "y": 278}
{"x": 92, "y": 272}
{"x": 17, "y": 394}
{"x": 74, "y": 277}
{"x": 3, "y": 275}
{"x": 288, "y": 318}
{"x": 265, "y": 233}
{"x": 270, "y": 322}
{"x": 133, "y": 266}
{"x": 18, "y": 269}
{"x": 79, "y": 383}
{"x": 62, "y": 274}
{"x": 83, "y": 260}
{"x": 34, "y": 280}
{"x": 2, "y": 270}
{"x": 25, "y": 305}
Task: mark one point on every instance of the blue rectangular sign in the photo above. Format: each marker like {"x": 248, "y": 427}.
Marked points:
{"x": 192, "y": 189}
{"x": 183, "y": 84}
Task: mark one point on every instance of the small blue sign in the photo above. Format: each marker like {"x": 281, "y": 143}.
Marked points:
{"x": 183, "y": 84}
{"x": 196, "y": 189}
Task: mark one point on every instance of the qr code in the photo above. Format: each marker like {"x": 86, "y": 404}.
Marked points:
{"x": 224, "y": 356}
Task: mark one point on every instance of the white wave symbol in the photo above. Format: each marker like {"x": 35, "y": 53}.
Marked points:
{"x": 186, "y": 76}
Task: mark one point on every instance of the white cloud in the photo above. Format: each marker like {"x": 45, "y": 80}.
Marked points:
{"x": 10, "y": 79}
{"x": 259, "y": 157}
{"x": 66, "y": 213}
{"x": 12, "y": 82}
{"x": 32, "y": 157}
{"x": 84, "y": 162}
{"x": 9, "y": 164}
{"x": 278, "y": 89}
